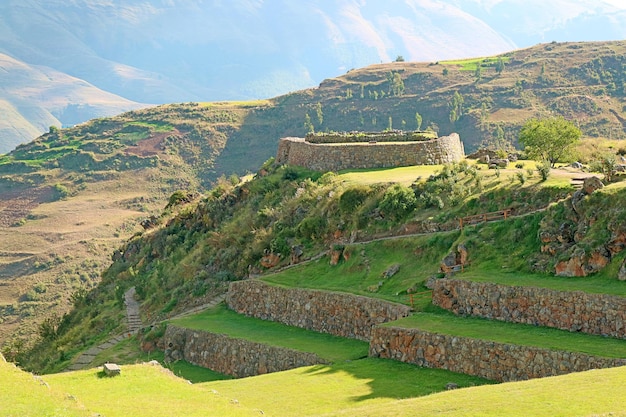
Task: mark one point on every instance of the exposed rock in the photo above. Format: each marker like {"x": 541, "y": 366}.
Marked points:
{"x": 592, "y": 184}
{"x": 296, "y": 254}
{"x": 500, "y": 163}
{"x": 451, "y": 385}
{"x": 621, "y": 274}
{"x": 576, "y": 165}
{"x": 391, "y": 271}
{"x": 484, "y": 159}
{"x": 270, "y": 260}
{"x": 462, "y": 254}
{"x": 448, "y": 262}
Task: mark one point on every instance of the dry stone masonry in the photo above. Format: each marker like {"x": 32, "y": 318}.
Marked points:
{"x": 339, "y": 314}
{"x": 380, "y": 150}
{"x": 236, "y": 357}
{"x": 575, "y": 311}
{"x": 487, "y": 359}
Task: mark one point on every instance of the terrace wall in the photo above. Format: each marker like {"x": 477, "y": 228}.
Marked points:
{"x": 339, "y": 314}
{"x": 491, "y": 360}
{"x": 575, "y": 311}
{"x": 236, "y": 357}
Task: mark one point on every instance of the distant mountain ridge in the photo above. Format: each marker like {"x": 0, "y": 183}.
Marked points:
{"x": 164, "y": 51}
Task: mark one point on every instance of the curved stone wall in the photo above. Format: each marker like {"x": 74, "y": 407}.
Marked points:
{"x": 575, "y": 311}
{"x": 491, "y": 360}
{"x": 341, "y": 156}
{"x": 339, "y": 314}
{"x": 236, "y": 357}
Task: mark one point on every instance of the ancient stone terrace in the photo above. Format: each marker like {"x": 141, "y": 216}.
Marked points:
{"x": 337, "y": 152}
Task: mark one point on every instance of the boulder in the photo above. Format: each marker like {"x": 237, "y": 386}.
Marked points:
{"x": 592, "y": 184}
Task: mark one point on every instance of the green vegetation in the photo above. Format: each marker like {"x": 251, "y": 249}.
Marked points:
{"x": 220, "y": 320}
{"x": 126, "y": 168}
{"x": 551, "y": 140}
{"x": 518, "y": 334}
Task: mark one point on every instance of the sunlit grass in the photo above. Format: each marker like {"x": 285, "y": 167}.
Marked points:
{"x": 514, "y": 333}
{"x": 221, "y": 320}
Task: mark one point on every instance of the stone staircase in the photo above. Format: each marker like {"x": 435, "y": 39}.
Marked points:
{"x": 135, "y": 324}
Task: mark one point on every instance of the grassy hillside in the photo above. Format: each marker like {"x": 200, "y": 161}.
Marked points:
{"x": 55, "y": 191}
{"x": 310, "y": 391}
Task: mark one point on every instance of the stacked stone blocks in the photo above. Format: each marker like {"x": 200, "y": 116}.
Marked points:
{"x": 341, "y": 153}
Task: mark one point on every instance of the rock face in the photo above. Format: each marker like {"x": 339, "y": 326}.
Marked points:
{"x": 375, "y": 154}
{"x": 230, "y": 356}
{"x": 573, "y": 234}
{"x": 487, "y": 359}
{"x": 339, "y": 314}
{"x": 574, "y": 311}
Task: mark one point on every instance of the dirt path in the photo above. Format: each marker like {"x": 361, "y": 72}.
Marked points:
{"x": 135, "y": 324}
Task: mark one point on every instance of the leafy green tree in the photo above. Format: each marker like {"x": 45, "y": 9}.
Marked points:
{"x": 445, "y": 72}
{"x": 551, "y": 140}
{"x": 398, "y": 202}
{"x": 399, "y": 58}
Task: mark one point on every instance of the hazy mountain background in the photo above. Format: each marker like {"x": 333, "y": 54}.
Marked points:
{"x": 67, "y": 61}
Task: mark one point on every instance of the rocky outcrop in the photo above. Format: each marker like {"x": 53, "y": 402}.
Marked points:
{"x": 487, "y": 359}
{"x": 574, "y": 234}
{"x": 236, "y": 357}
{"x": 575, "y": 311}
{"x": 339, "y": 314}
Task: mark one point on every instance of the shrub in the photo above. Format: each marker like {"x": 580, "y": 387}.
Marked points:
{"x": 352, "y": 198}
{"x": 61, "y": 192}
{"x": 398, "y": 202}
{"x": 544, "y": 170}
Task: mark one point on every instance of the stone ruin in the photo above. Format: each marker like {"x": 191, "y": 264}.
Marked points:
{"x": 337, "y": 152}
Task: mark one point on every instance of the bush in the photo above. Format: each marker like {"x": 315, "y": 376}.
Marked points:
{"x": 398, "y": 202}
{"x": 352, "y": 198}
{"x": 544, "y": 170}
{"x": 61, "y": 192}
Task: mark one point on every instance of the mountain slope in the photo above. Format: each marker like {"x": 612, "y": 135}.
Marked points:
{"x": 116, "y": 172}
{"x": 35, "y": 98}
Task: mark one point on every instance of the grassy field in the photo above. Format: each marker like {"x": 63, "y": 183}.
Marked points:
{"x": 378, "y": 388}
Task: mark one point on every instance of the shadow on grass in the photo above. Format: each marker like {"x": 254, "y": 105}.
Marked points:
{"x": 398, "y": 380}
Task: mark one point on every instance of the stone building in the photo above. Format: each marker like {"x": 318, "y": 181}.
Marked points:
{"x": 336, "y": 152}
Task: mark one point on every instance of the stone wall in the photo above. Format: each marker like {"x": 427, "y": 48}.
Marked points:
{"x": 339, "y": 314}
{"x": 491, "y": 360}
{"x": 236, "y": 357}
{"x": 340, "y": 156}
{"x": 354, "y": 137}
{"x": 575, "y": 311}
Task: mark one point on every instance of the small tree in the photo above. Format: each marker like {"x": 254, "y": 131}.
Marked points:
{"x": 418, "y": 120}
{"x": 550, "y": 140}
{"x": 499, "y": 65}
